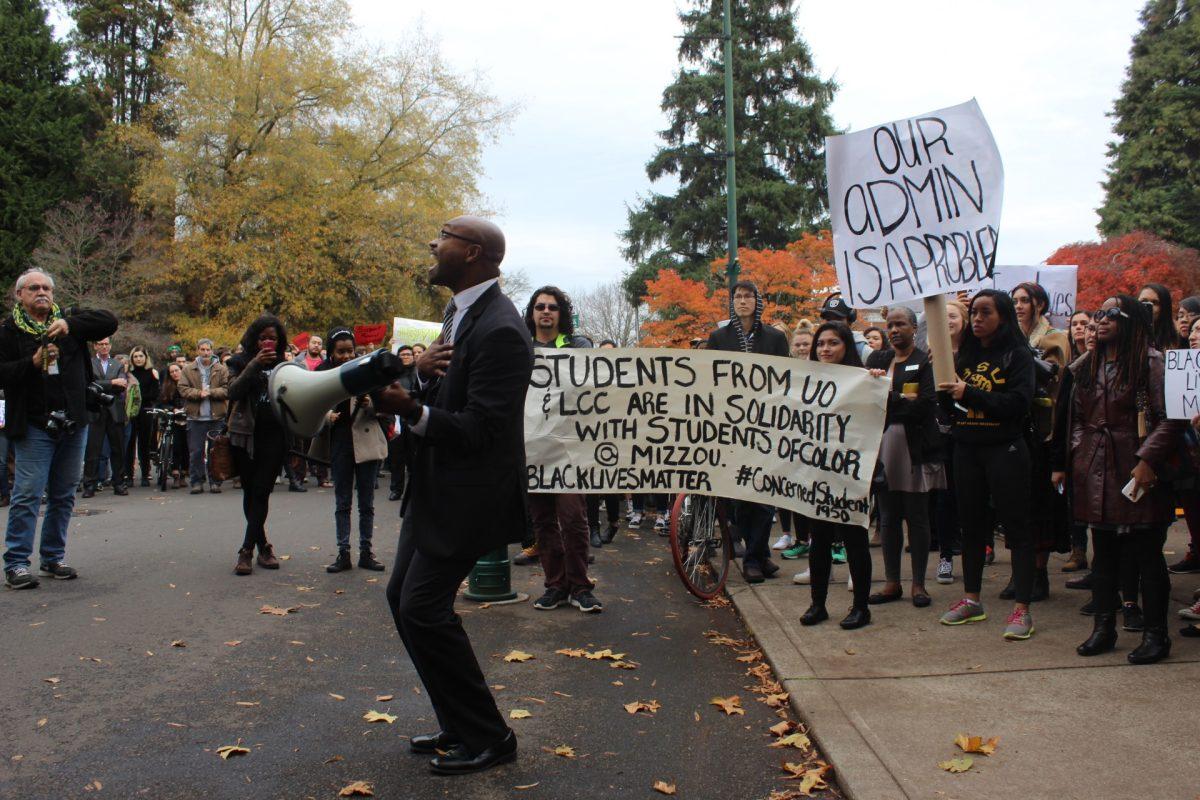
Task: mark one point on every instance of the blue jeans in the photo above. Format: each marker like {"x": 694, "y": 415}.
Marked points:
{"x": 5, "y": 489}
{"x": 346, "y": 475}
{"x": 42, "y": 465}
{"x": 197, "y": 438}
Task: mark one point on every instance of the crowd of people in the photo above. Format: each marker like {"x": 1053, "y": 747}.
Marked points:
{"x": 1047, "y": 440}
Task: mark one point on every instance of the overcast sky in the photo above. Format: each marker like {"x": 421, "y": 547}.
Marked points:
{"x": 589, "y": 79}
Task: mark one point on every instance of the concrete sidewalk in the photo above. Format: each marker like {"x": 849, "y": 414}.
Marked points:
{"x": 885, "y": 702}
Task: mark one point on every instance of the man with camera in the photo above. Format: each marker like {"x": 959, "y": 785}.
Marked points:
{"x": 45, "y": 420}
{"x": 107, "y": 391}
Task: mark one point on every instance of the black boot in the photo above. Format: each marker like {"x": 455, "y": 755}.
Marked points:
{"x": 1155, "y": 646}
{"x": 610, "y": 534}
{"x": 1041, "y": 586}
{"x": 816, "y": 613}
{"x": 857, "y": 618}
{"x": 1008, "y": 592}
{"x": 342, "y": 563}
{"x": 367, "y": 560}
{"x": 595, "y": 539}
{"x": 1103, "y": 638}
{"x": 1132, "y": 617}
{"x": 296, "y": 486}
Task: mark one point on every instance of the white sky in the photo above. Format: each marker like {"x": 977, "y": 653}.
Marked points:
{"x": 589, "y": 79}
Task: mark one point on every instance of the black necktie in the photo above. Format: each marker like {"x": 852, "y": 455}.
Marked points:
{"x": 448, "y": 322}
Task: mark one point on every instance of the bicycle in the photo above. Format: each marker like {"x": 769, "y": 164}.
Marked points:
{"x": 701, "y": 546}
{"x": 167, "y": 421}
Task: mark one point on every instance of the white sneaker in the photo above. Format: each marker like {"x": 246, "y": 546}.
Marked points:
{"x": 635, "y": 519}
{"x": 784, "y": 542}
{"x": 802, "y": 578}
{"x": 660, "y": 524}
{"x": 945, "y": 571}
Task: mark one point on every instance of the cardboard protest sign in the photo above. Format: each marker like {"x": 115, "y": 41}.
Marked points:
{"x": 915, "y": 206}
{"x": 1182, "y": 383}
{"x": 1060, "y": 283}
{"x": 795, "y": 434}
{"x": 411, "y": 331}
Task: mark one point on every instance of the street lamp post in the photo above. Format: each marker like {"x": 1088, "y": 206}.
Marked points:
{"x": 733, "y": 268}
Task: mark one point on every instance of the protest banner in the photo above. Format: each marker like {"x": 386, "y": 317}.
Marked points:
{"x": 412, "y": 331}
{"x": 915, "y": 206}
{"x": 795, "y": 434}
{"x": 1060, "y": 283}
{"x": 1182, "y": 387}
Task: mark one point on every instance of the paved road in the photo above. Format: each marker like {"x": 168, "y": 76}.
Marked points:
{"x": 138, "y": 717}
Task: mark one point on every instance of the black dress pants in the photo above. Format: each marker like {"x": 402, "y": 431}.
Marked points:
{"x": 104, "y": 427}
{"x": 421, "y": 596}
{"x": 258, "y": 481}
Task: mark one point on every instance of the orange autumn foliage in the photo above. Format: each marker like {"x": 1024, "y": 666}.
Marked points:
{"x": 793, "y": 282}
{"x": 1126, "y": 263}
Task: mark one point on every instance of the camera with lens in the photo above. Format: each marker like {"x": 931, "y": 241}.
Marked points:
{"x": 58, "y": 424}
{"x": 1043, "y": 371}
{"x": 96, "y": 398}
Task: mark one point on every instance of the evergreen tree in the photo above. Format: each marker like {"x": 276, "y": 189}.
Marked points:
{"x": 1154, "y": 166}
{"x": 41, "y": 130}
{"x": 781, "y": 120}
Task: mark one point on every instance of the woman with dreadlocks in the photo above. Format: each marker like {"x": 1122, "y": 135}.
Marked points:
{"x": 1120, "y": 440}
{"x": 746, "y": 333}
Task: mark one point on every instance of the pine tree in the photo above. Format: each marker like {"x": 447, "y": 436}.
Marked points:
{"x": 781, "y": 120}
{"x": 1154, "y": 166}
{"x": 41, "y": 130}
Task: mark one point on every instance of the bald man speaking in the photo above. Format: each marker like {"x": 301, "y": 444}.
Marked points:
{"x": 466, "y": 495}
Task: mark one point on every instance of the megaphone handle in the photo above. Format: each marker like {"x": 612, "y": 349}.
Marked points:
{"x": 312, "y": 459}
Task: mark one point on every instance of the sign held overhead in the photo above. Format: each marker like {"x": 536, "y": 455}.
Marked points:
{"x": 915, "y": 206}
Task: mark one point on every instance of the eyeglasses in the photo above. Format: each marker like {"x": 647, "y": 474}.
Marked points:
{"x": 37, "y": 287}
{"x": 545, "y": 307}
{"x": 1109, "y": 313}
{"x": 444, "y": 234}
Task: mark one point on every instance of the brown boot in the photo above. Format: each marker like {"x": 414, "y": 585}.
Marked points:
{"x": 245, "y": 562}
{"x": 266, "y": 557}
{"x": 1077, "y": 561}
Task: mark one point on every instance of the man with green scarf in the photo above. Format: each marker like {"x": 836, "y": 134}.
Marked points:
{"x": 45, "y": 421}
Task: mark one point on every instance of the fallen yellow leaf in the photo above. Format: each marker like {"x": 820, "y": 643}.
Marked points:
{"x": 232, "y": 750}
{"x": 518, "y": 656}
{"x": 247, "y": 704}
{"x": 776, "y": 700}
{"x": 52, "y": 681}
{"x": 730, "y": 705}
{"x": 336, "y": 696}
{"x": 41, "y": 723}
{"x": 376, "y": 716}
{"x": 976, "y": 744}
{"x": 564, "y": 750}
{"x": 525, "y": 786}
{"x": 641, "y": 705}
{"x": 782, "y": 728}
{"x": 358, "y": 789}
{"x": 334, "y": 759}
{"x": 796, "y": 740}
{"x": 519, "y": 713}
{"x": 664, "y": 788}
{"x": 383, "y": 698}
{"x": 234, "y": 643}
{"x": 178, "y": 643}
{"x": 571, "y": 652}
{"x": 957, "y": 764}
{"x": 278, "y": 611}
{"x": 750, "y": 657}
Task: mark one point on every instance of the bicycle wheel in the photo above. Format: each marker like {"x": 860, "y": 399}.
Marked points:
{"x": 164, "y": 460}
{"x": 700, "y": 544}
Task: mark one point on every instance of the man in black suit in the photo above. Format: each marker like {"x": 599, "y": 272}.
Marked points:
{"x": 466, "y": 493}
{"x": 746, "y": 333}
{"x": 107, "y": 423}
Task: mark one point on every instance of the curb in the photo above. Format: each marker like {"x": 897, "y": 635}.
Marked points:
{"x": 861, "y": 773}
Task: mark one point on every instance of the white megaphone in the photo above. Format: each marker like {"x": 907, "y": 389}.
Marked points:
{"x": 301, "y": 398}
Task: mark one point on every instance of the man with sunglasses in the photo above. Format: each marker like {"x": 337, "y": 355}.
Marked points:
{"x": 560, "y": 520}
{"x": 46, "y": 420}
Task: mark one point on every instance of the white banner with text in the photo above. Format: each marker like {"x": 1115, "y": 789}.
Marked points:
{"x": 1182, "y": 388}
{"x": 795, "y": 434}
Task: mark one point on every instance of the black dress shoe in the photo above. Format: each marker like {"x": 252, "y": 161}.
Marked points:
{"x": 610, "y": 534}
{"x": 770, "y": 568}
{"x": 460, "y": 762}
{"x": 395, "y": 495}
{"x": 594, "y": 538}
{"x": 857, "y": 618}
{"x": 88, "y": 493}
{"x": 753, "y": 573}
{"x": 1132, "y": 619}
{"x": 814, "y": 615}
{"x": 879, "y": 598}
{"x": 429, "y": 743}
{"x": 1008, "y": 592}
{"x": 120, "y": 491}
{"x": 1082, "y": 582}
{"x": 1103, "y": 638}
{"x": 296, "y": 487}
{"x": 1041, "y": 586}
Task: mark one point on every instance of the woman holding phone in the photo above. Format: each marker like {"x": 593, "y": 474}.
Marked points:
{"x": 255, "y": 435}
{"x": 1120, "y": 440}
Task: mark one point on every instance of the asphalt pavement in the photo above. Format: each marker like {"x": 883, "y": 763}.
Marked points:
{"x": 126, "y": 682}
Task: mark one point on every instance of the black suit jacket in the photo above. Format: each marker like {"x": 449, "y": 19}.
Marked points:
{"x": 105, "y": 379}
{"x": 919, "y": 416}
{"x": 769, "y": 341}
{"x": 467, "y": 490}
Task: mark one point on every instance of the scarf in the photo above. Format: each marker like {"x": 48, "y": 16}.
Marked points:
{"x": 32, "y": 326}
{"x": 746, "y": 338}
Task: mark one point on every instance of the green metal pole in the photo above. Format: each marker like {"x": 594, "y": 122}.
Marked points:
{"x": 491, "y": 579}
{"x": 733, "y": 268}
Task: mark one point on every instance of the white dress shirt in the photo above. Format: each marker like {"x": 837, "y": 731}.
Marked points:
{"x": 462, "y": 303}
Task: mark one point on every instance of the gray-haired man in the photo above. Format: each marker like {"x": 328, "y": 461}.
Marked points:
{"x": 204, "y": 387}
